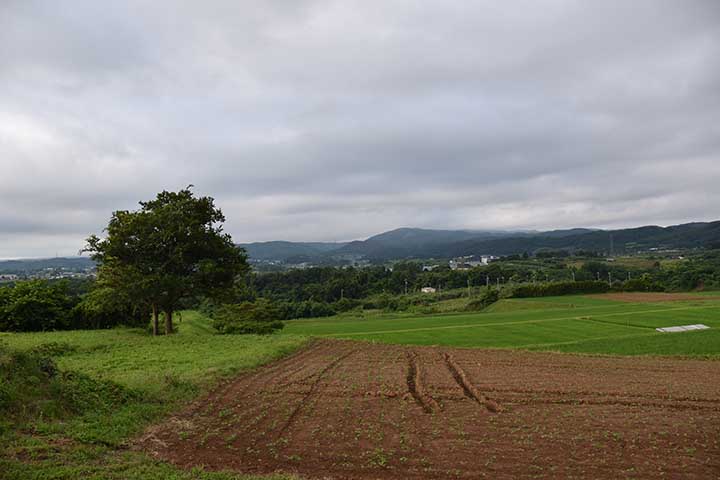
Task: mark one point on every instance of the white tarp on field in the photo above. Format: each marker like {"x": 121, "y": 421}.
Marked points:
{"x": 683, "y": 328}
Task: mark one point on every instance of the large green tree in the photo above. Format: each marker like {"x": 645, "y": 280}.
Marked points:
{"x": 170, "y": 249}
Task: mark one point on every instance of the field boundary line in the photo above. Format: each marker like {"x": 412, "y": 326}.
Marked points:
{"x": 573, "y": 342}
{"x": 609, "y": 322}
{"x": 313, "y": 322}
{"x": 520, "y": 322}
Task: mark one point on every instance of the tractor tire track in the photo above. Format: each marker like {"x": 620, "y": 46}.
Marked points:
{"x": 246, "y": 381}
{"x": 468, "y": 388}
{"x": 417, "y": 388}
{"x": 313, "y": 389}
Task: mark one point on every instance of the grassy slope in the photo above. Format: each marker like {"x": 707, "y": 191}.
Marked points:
{"x": 570, "y": 323}
{"x": 165, "y": 371}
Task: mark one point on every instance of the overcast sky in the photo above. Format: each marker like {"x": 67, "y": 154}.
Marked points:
{"x": 336, "y": 120}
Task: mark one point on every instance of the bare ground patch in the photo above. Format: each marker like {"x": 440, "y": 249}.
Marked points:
{"x": 358, "y": 410}
{"x": 652, "y": 297}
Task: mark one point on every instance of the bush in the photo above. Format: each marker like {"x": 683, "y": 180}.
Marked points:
{"x": 280, "y": 310}
{"x": 306, "y": 309}
{"x": 105, "y": 308}
{"x": 35, "y": 306}
{"x": 390, "y": 303}
{"x": 559, "y": 288}
{"x": 41, "y": 305}
{"x": 642, "y": 284}
{"x": 449, "y": 295}
{"x": 346, "y": 304}
{"x": 260, "y": 317}
{"x": 488, "y": 297}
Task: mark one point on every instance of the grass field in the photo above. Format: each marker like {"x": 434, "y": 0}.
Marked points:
{"x": 164, "y": 373}
{"x": 586, "y": 324}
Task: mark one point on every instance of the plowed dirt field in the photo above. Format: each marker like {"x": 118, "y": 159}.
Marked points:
{"x": 341, "y": 409}
{"x": 653, "y": 297}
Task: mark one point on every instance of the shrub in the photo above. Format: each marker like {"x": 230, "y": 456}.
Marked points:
{"x": 35, "y": 306}
{"x": 105, "y": 308}
{"x": 559, "y": 288}
{"x": 642, "y": 284}
{"x": 346, "y": 304}
{"x": 488, "y": 297}
{"x": 41, "y": 305}
{"x": 306, "y": 309}
{"x": 260, "y": 317}
{"x": 450, "y": 295}
{"x": 390, "y": 303}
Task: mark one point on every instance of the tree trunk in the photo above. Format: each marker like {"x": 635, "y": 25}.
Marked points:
{"x": 168, "y": 321}
{"x": 155, "y": 320}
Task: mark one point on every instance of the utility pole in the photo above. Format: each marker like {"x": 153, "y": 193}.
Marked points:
{"x": 487, "y": 281}
{"x": 342, "y": 293}
{"x": 406, "y": 286}
{"x": 610, "y": 279}
{"x": 498, "y": 282}
{"x": 468, "y": 283}
{"x": 573, "y": 274}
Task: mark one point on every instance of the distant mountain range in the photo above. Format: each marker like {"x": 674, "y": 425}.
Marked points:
{"x": 418, "y": 243}
{"x": 30, "y": 265}
{"x": 282, "y": 251}
{"x": 407, "y": 243}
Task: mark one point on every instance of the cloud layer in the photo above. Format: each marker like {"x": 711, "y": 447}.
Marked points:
{"x": 333, "y": 120}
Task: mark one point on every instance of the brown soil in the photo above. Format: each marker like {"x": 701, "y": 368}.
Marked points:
{"x": 652, "y": 297}
{"x": 358, "y": 410}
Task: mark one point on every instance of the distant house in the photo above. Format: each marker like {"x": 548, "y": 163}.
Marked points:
{"x": 459, "y": 264}
{"x": 428, "y": 290}
{"x": 470, "y": 261}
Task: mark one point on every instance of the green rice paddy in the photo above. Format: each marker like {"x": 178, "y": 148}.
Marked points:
{"x": 590, "y": 324}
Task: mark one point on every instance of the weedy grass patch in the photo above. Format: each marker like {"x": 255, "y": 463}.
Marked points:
{"x": 72, "y": 400}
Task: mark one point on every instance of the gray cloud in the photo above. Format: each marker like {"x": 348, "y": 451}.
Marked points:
{"x": 332, "y": 120}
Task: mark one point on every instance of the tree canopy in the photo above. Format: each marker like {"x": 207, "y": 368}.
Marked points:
{"x": 171, "y": 249}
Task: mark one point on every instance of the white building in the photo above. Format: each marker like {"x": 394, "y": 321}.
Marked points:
{"x": 428, "y": 290}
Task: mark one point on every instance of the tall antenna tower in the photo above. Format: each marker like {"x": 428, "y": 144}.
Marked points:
{"x": 612, "y": 245}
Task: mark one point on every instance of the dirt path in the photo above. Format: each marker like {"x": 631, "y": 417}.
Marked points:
{"x": 345, "y": 409}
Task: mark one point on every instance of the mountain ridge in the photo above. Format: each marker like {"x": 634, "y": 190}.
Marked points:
{"x": 409, "y": 242}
